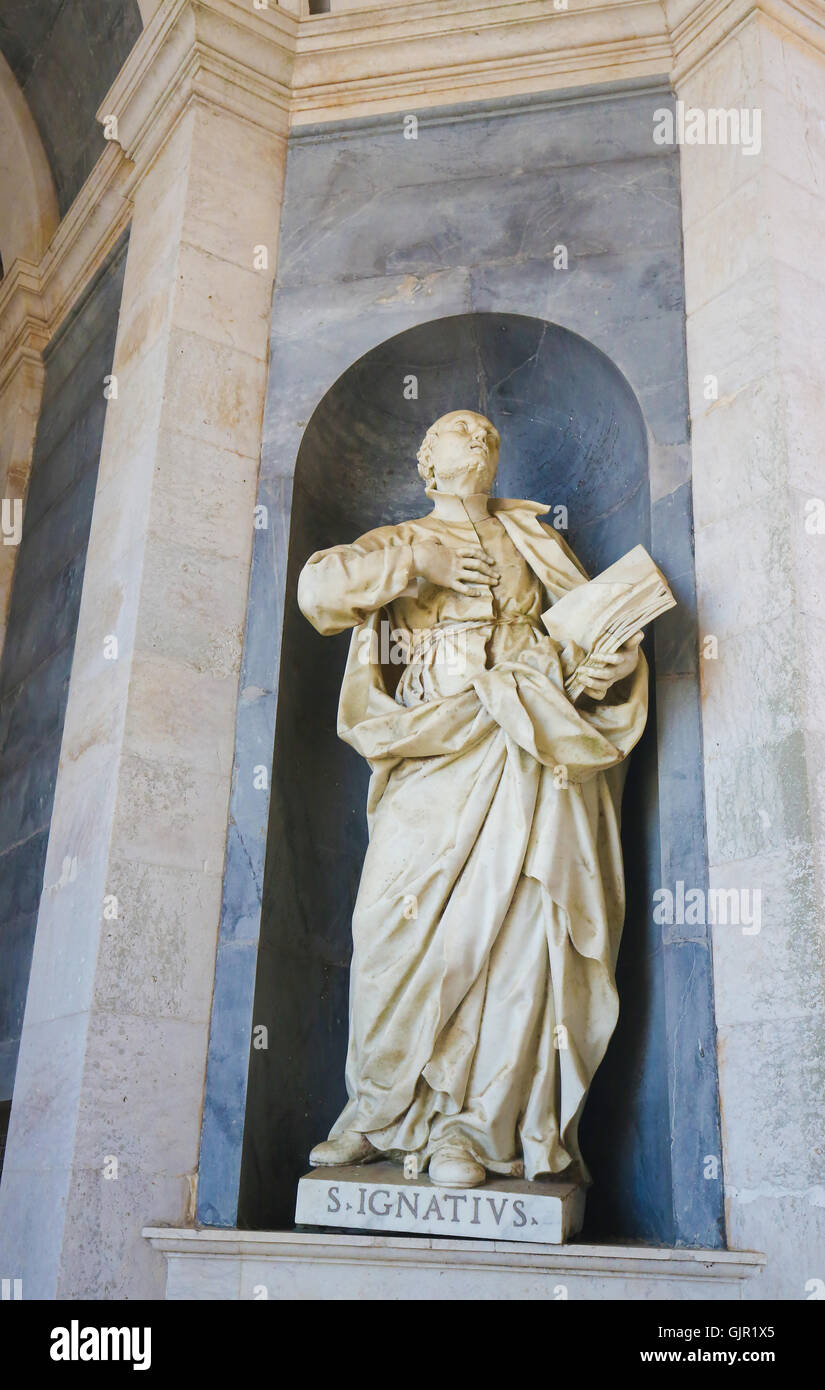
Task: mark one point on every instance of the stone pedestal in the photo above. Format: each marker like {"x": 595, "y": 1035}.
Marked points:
{"x": 297, "y": 1265}
{"x": 378, "y": 1197}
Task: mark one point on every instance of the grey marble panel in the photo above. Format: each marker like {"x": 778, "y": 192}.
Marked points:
{"x": 596, "y": 210}
{"x": 32, "y": 713}
{"x": 695, "y": 1126}
{"x": 224, "y": 1105}
{"x": 43, "y": 611}
{"x": 546, "y": 131}
{"x": 21, "y": 877}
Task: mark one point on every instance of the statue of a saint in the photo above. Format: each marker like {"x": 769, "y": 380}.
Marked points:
{"x": 487, "y": 923}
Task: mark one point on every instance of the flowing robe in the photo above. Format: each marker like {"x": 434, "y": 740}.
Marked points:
{"x": 491, "y": 902}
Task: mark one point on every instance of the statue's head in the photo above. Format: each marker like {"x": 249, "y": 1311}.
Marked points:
{"x": 459, "y": 453}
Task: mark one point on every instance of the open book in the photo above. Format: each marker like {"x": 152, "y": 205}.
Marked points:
{"x": 599, "y": 616}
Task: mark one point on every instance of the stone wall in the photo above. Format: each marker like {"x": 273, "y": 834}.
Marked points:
{"x": 756, "y": 324}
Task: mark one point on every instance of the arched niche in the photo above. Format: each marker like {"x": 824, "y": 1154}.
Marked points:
{"x": 28, "y": 201}
{"x": 573, "y": 435}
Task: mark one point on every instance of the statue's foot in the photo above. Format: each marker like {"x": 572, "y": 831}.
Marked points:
{"x": 350, "y": 1147}
{"x": 454, "y": 1166}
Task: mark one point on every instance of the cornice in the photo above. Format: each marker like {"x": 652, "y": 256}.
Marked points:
{"x": 95, "y": 220}
{"x": 482, "y": 109}
{"x": 699, "y": 29}
{"x": 377, "y": 59}
{"x": 388, "y": 57}
{"x": 24, "y": 327}
{"x": 219, "y": 52}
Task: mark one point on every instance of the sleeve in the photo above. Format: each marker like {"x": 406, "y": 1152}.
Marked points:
{"x": 338, "y": 588}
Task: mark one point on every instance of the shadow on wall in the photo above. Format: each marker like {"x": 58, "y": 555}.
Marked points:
{"x": 572, "y": 436}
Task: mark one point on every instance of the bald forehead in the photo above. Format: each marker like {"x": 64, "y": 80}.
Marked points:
{"x": 471, "y": 416}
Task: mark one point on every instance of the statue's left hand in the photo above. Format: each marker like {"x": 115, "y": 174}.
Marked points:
{"x": 600, "y": 672}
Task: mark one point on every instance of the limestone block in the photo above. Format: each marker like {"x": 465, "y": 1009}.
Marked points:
{"x": 796, "y": 224}
{"x": 803, "y": 425}
{"x": 33, "y": 1243}
{"x": 131, "y": 429}
{"x": 214, "y": 393}
{"x": 233, "y": 195}
{"x": 802, "y": 68}
{"x": 144, "y": 322}
{"x": 73, "y": 889}
{"x": 221, "y": 1280}
{"x": 221, "y": 301}
{"x": 790, "y": 1223}
{"x": 754, "y": 539}
{"x": 757, "y": 662}
{"x": 192, "y": 607}
{"x": 100, "y": 1228}
{"x": 780, "y": 966}
{"x": 120, "y": 521}
{"x": 45, "y": 1104}
{"x": 800, "y": 301}
{"x": 757, "y": 799}
{"x": 180, "y": 714}
{"x": 794, "y": 142}
{"x": 742, "y": 440}
{"x": 160, "y": 913}
{"x": 174, "y": 816}
{"x": 100, "y": 670}
{"x": 808, "y": 550}
{"x": 203, "y": 497}
{"x": 711, "y": 174}
{"x": 770, "y": 1143}
{"x": 717, "y": 259}
{"x": 812, "y": 636}
{"x": 732, "y": 338}
{"x": 140, "y": 1075}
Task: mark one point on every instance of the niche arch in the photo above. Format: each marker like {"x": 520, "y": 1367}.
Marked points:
{"x": 28, "y": 201}
{"x": 573, "y": 435}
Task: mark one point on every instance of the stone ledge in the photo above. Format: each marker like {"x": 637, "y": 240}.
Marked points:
{"x": 230, "y": 1264}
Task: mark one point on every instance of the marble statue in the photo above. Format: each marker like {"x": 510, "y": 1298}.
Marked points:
{"x": 488, "y": 917}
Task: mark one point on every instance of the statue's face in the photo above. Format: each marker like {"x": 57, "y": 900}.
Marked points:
{"x": 464, "y": 453}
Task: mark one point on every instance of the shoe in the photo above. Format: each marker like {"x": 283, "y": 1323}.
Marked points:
{"x": 454, "y": 1166}
{"x": 350, "y": 1147}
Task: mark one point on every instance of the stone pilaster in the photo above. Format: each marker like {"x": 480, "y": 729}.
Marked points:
{"x": 107, "y": 1104}
{"x": 755, "y": 334}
